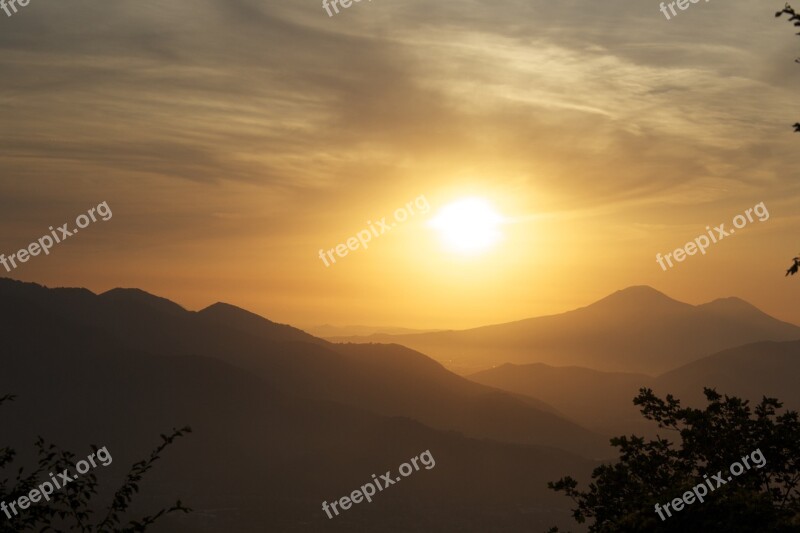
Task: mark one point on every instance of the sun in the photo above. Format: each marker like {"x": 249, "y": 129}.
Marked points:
{"x": 468, "y": 225}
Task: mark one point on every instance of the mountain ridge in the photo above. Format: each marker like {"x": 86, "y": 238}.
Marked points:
{"x": 765, "y": 368}
{"x": 637, "y": 329}
{"x": 387, "y": 380}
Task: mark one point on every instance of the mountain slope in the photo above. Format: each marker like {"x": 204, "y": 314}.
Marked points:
{"x": 636, "y": 330}
{"x": 392, "y": 381}
{"x": 750, "y": 371}
{"x": 602, "y": 401}
{"x": 327, "y": 330}
{"x": 260, "y": 460}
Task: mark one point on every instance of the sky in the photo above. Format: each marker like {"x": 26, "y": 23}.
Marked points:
{"x": 235, "y": 139}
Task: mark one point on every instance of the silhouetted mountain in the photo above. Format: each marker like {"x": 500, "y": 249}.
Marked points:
{"x": 390, "y": 380}
{"x": 247, "y": 322}
{"x": 634, "y": 330}
{"x": 751, "y": 371}
{"x": 260, "y": 460}
{"x": 394, "y": 380}
{"x": 267, "y": 446}
{"x": 139, "y": 298}
{"x": 327, "y": 330}
{"x": 602, "y": 401}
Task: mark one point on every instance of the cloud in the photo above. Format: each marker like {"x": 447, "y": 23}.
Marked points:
{"x": 592, "y": 105}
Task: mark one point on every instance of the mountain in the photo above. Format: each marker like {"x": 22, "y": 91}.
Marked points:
{"x": 327, "y": 330}
{"x": 246, "y": 322}
{"x": 602, "y": 401}
{"x": 751, "y": 371}
{"x": 637, "y": 330}
{"x": 261, "y": 460}
{"x": 386, "y": 380}
{"x": 268, "y": 444}
{"x": 394, "y": 380}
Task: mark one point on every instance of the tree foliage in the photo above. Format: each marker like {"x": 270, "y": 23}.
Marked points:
{"x": 794, "y": 18}
{"x": 622, "y": 496}
{"x": 70, "y": 508}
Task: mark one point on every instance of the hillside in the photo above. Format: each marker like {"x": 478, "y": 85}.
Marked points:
{"x": 392, "y": 381}
{"x": 602, "y": 401}
{"x": 637, "y": 330}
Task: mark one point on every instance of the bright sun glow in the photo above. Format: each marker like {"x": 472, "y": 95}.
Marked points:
{"x": 468, "y": 225}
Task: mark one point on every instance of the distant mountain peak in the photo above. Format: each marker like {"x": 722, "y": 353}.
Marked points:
{"x": 222, "y": 309}
{"x": 245, "y": 320}
{"x": 140, "y": 297}
{"x": 15, "y": 284}
{"x": 641, "y": 291}
{"x": 731, "y": 302}
{"x": 637, "y": 298}
{"x": 733, "y": 306}
{"x": 11, "y": 282}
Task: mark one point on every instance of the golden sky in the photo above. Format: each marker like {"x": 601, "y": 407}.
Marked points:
{"x": 235, "y": 139}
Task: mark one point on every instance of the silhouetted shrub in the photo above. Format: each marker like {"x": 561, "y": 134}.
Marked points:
{"x": 69, "y": 508}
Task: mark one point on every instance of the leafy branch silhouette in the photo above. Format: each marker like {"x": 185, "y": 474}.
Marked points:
{"x": 795, "y": 19}
{"x": 622, "y": 494}
{"x": 69, "y": 508}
